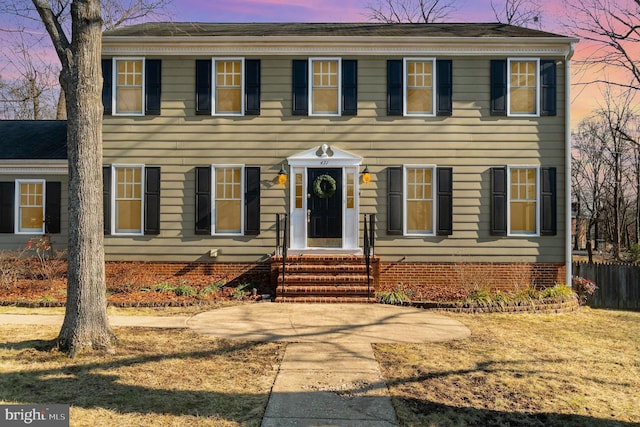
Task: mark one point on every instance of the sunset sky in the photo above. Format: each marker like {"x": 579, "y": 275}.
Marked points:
{"x": 584, "y": 100}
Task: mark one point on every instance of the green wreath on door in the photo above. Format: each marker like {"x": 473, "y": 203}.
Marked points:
{"x": 324, "y": 186}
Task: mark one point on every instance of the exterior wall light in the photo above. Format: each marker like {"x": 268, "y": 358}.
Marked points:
{"x": 366, "y": 175}
{"x": 282, "y": 175}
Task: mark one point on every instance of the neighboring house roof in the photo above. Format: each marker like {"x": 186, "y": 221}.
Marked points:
{"x": 197, "y": 29}
{"x": 33, "y": 139}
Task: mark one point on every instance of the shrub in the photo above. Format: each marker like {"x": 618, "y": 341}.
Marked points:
{"x": 240, "y": 291}
{"x": 213, "y": 288}
{"x": 556, "y": 292}
{"x": 395, "y": 297}
{"x": 584, "y": 288}
{"x": 163, "y": 287}
{"x": 185, "y": 291}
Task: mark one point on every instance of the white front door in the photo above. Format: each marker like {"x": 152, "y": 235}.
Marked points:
{"x": 324, "y": 201}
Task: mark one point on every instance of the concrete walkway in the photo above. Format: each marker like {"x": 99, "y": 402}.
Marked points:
{"x": 329, "y": 375}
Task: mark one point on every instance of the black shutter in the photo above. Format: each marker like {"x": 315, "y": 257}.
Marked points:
{"x": 300, "y": 101}
{"x": 444, "y": 87}
{"x": 445, "y": 202}
{"x": 52, "y": 207}
{"x": 106, "y": 198}
{"x": 7, "y": 200}
{"x": 499, "y": 87}
{"x": 548, "y": 208}
{"x": 349, "y": 87}
{"x": 203, "y": 200}
{"x": 499, "y": 201}
{"x": 107, "y": 86}
{"x": 252, "y": 87}
{"x": 548, "y": 88}
{"x": 153, "y": 86}
{"x": 203, "y": 86}
{"x": 252, "y": 201}
{"x": 394, "y": 87}
{"x": 394, "y": 201}
{"x": 152, "y": 200}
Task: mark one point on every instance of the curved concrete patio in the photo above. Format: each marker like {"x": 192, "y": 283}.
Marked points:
{"x": 355, "y": 323}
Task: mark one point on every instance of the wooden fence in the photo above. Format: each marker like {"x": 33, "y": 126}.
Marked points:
{"x": 618, "y": 284}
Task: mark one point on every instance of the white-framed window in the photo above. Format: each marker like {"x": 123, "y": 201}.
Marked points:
{"x": 127, "y": 207}
{"x": 523, "y": 86}
{"x": 419, "y": 86}
{"x": 419, "y": 200}
{"x": 128, "y": 86}
{"x": 325, "y": 78}
{"x": 523, "y": 183}
{"x": 29, "y": 206}
{"x": 228, "y": 199}
{"x": 228, "y": 86}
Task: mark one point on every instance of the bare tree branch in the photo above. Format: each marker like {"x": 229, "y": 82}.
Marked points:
{"x": 409, "y": 11}
{"x": 526, "y": 13}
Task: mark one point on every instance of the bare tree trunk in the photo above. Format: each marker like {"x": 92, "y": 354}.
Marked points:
{"x": 86, "y": 324}
{"x": 61, "y": 111}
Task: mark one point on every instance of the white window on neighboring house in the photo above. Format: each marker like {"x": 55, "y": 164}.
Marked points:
{"x": 30, "y": 204}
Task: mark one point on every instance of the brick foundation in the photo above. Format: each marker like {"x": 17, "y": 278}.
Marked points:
{"x": 424, "y": 281}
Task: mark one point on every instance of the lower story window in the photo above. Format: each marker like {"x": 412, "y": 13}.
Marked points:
{"x": 30, "y": 206}
{"x": 523, "y": 200}
{"x": 419, "y": 196}
{"x": 128, "y": 199}
{"x": 228, "y": 199}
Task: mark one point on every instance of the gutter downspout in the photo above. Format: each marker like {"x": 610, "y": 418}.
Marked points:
{"x": 567, "y": 204}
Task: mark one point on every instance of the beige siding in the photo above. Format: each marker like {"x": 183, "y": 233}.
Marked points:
{"x": 11, "y": 242}
{"x": 471, "y": 141}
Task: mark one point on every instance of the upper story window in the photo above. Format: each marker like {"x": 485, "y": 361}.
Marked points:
{"x": 131, "y": 86}
{"x": 128, "y": 199}
{"x": 419, "y": 81}
{"x": 228, "y": 87}
{"x": 523, "y": 87}
{"x": 325, "y": 87}
{"x": 419, "y": 87}
{"x": 523, "y": 93}
{"x": 30, "y": 197}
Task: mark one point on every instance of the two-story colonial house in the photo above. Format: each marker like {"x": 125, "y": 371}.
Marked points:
{"x": 452, "y": 140}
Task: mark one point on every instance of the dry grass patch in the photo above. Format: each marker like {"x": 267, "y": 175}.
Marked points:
{"x": 574, "y": 369}
{"x": 154, "y": 377}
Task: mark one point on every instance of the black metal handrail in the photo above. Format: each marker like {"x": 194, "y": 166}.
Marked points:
{"x": 282, "y": 230}
{"x": 369, "y": 246}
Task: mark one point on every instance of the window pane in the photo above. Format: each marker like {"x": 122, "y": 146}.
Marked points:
{"x": 351, "y": 189}
{"x": 228, "y": 216}
{"x": 31, "y": 218}
{"x": 523, "y": 217}
{"x": 324, "y": 91}
{"x": 228, "y": 201}
{"x": 128, "y": 216}
{"x": 419, "y": 192}
{"x": 31, "y": 207}
{"x": 523, "y": 201}
{"x": 129, "y": 86}
{"x": 128, "y": 200}
{"x": 228, "y": 92}
{"x": 523, "y": 87}
{"x": 419, "y": 90}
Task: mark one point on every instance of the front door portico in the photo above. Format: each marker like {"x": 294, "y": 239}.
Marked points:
{"x": 324, "y": 201}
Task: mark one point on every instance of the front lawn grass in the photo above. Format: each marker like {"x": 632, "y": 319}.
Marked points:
{"x": 153, "y": 378}
{"x": 574, "y": 369}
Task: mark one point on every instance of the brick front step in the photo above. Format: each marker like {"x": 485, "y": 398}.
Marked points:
{"x": 325, "y": 300}
{"x": 324, "y": 279}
